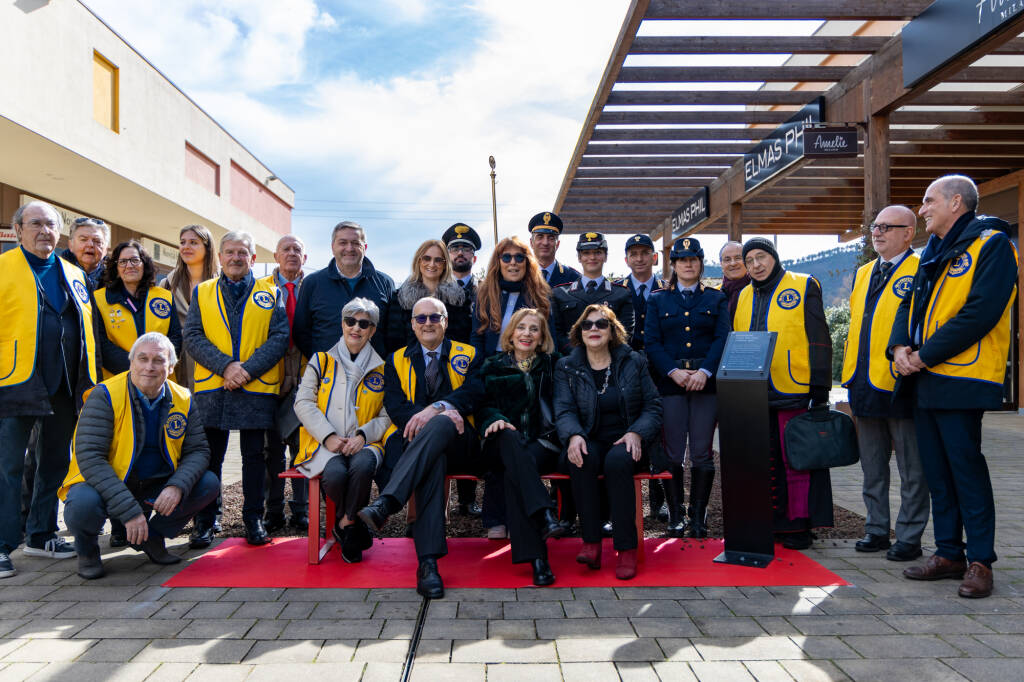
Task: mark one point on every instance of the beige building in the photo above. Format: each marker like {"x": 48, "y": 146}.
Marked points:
{"x": 87, "y": 124}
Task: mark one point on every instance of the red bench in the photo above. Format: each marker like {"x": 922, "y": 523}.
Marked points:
{"x": 317, "y": 552}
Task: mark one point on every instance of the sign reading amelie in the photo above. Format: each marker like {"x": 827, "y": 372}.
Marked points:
{"x": 782, "y": 147}
{"x": 948, "y": 28}
{"x": 691, "y": 213}
{"x": 829, "y": 141}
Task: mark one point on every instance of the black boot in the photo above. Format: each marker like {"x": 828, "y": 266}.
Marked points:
{"x": 428, "y": 579}
{"x": 548, "y": 525}
{"x": 701, "y": 481}
{"x": 657, "y": 498}
{"x": 674, "y": 496}
{"x": 542, "y": 575}
{"x": 90, "y": 566}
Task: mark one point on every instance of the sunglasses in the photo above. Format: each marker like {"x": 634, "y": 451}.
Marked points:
{"x": 587, "y": 325}
{"x": 433, "y": 317}
{"x": 427, "y": 260}
{"x": 352, "y": 322}
{"x": 509, "y": 257}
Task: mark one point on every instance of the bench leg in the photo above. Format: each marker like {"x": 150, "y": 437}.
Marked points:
{"x": 314, "y": 521}
{"x": 638, "y": 483}
{"x": 328, "y": 529}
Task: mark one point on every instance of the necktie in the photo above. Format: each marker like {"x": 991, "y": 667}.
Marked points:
{"x": 641, "y": 301}
{"x": 879, "y": 275}
{"x": 547, "y": 275}
{"x": 591, "y": 286}
{"x": 289, "y": 307}
{"x": 462, "y": 284}
{"x": 432, "y": 374}
{"x": 885, "y": 268}
{"x": 688, "y": 294}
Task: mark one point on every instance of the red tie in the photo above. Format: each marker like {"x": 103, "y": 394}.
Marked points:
{"x": 289, "y": 307}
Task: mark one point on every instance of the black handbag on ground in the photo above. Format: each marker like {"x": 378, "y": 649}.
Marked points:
{"x": 821, "y": 439}
{"x": 286, "y": 420}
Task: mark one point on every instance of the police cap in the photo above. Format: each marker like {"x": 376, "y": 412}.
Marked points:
{"x": 591, "y": 240}
{"x": 686, "y": 247}
{"x": 546, "y": 223}
{"x": 461, "y": 233}
{"x": 639, "y": 240}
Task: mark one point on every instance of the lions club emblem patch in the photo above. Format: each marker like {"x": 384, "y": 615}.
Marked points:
{"x": 788, "y": 299}
{"x": 902, "y": 286}
{"x": 80, "y": 291}
{"x": 160, "y": 307}
{"x": 263, "y": 299}
{"x": 374, "y": 381}
{"x": 460, "y": 363}
{"x": 961, "y": 265}
{"x": 176, "y": 424}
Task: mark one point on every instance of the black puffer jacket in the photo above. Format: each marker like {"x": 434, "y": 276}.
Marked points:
{"x": 576, "y": 395}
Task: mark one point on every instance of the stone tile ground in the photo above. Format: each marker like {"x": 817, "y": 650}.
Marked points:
{"x": 128, "y": 627}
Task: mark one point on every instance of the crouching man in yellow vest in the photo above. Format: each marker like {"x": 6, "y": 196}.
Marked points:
{"x": 429, "y": 393}
{"x": 139, "y": 456}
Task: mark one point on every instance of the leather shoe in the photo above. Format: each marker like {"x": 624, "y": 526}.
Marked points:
{"x": 255, "y": 533}
{"x": 936, "y": 568}
{"x": 428, "y": 580}
{"x": 590, "y": 555}
{"x": 90, "y": 566}
{"x": 375, "y": 515}
{"x": 800, "y": 540}
{"x": 626, "y": 568}
{"x": 118, "y": 539}
{"x": 903, "y": 551}
{"x": 550, "y": 527}
{"x": 542, "y": 575}
{"x": 347, "y": 541}
{"x": 274, "y": 522}
{"x": 977, "y": 582}
{"x": 299, "y": 522}
{"x": 201, "y": 537}
{"x": 873, "y": 543}
{"x": 156, "y": 551}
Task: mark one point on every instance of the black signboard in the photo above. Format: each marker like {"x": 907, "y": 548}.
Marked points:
{"x": 747, "y": 355}
{"x": 691, "y": 213}
{"x": 782, "y": 147}
{"x": 825, "y": 141}
{"x": 947, "y": 28}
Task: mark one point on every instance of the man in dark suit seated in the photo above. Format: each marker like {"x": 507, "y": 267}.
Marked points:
{"x": 429, "y": 394}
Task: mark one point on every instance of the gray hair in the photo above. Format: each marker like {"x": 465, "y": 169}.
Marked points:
{"x": 951, "y": 185}
{"x": 293, "y": 237}
{"x": 362, "y": 305}
{"x": 159, "y": 339}
{"x": 20, "y": 211}
{"x": 349, "y": 225}
{"x": 729, "y": 243}
{"x": 91, "y": 222}
{"x": 239, "y": 236}
{"x": 438, "y": 303}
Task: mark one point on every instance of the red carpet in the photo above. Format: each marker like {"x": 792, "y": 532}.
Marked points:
{"x": 477, "y": 562}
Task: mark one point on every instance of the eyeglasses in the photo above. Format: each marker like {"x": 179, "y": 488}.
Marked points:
{"x": 509, "y": 257}
{"x": 460, "y": 248}
{"x": 427, "y": 260}
{"x": 884, "y": 227}
{"x": 125, "y": 262}
{"x": 362, "y": 324}
{"x": 587, "y": 325}
{"x": 38, "y": 224}
{"x": 434, "y": 318}
{"x": 732, "y": 259}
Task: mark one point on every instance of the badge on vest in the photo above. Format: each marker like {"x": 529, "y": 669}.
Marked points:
{"x": 263, "y": 299}
{"x": 961, "y": 265}
{"x": 374, "y": 381}
{"x": 788, "y": 299}
{"x": 460, "y": 363}
{"x": 160, "y": 308}
{"x": 176, "y": 423}
{"x": 902, "y": 286}
{"x": 80, "y": 291}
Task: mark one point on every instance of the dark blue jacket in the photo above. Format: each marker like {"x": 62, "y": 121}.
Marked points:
{"x": 562, "y": 274}
{"x": 317, "y": 323}
{"x": 636, "y": 340}
{"x": 991, "y": 289}
{"x": 681, "y": 328}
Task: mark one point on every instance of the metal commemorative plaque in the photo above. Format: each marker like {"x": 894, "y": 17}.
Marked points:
{"x": 747, "y": 355}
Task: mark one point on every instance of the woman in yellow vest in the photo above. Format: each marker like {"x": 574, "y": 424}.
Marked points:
{"x": 340, "y": 403}
{"x": 128, "y": 305}
{"x": 790, "y": 304}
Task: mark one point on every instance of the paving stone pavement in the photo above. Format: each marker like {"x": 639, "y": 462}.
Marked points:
{"x": 54, "y": 626}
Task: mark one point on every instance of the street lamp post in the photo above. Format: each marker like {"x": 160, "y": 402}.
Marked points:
{"x": 494, "y": 200}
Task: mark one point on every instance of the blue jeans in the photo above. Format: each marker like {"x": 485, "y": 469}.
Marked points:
{"x": 52, "y": 458}
{"x": 85, "y": 511}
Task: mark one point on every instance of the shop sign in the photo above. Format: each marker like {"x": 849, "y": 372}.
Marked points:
{"x": 161, "y": 253}
{"x": 8, "y": 236}
{"x": 830, "y": 141}
{"x": 782, "y": 148}
{"x": 693, "y": 211}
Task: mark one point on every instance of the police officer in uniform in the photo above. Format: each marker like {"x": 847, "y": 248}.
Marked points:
{"x": 545, "y": 229}
{"x": 568, "y": 301}
{"x": 641, "y": 257}
{"x": 685, "y": 336}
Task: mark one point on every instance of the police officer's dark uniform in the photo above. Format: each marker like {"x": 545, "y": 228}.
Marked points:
{"x": 686, "y": 329}
{"x": 641, "y": 292}
{"x": 557, "y": 273}
{"x": 568, "y": 301}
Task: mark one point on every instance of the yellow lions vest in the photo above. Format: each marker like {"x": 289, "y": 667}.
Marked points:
{"x": 460, "y": 356}
{"x": 20, "y": 328}
{"x": 120, "y": 323}
{"x": 256, "y": 315}
{"x": 369, "y": 399}
{"x": 791, "y": 361}
{"x": 880, "y": 370}
{"x": 122, "y": 445}
{"x": 986, "y": 359}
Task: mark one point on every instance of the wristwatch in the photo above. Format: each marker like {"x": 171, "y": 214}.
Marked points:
{"x": 439, "y": 406}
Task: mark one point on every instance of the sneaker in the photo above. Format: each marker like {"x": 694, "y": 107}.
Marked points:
{"x": 6, "y": 567}
{"x": 55, "y": 548}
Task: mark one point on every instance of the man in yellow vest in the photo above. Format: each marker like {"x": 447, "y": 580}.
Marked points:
{"x": 950, "y": 343}
{"x": 48, "y": 358}
{"x": 139, "y": 448}
{"x": 882, "y": 424}
{"x": 237, "y": 332}
{"x": 429, "y": 393}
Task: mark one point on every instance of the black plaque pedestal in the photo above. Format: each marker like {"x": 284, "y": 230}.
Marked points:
{"x": 742, "y": 385}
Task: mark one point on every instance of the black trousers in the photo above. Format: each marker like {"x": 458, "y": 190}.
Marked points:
{"x": 347, "y": 480}
{"x": 437, "y": 449}
{"x": 254, "y": 472}
{"x": 618, "y": 468}
{"x": 525, "y": 461}
{"x": 277, "y": 461}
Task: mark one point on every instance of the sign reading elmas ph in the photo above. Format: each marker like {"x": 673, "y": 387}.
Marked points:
{"x": 949, "y": 27}
{"x": 830, "y": 141}
{"x": 782, "y": 147}
{"x": 691, "y": 213}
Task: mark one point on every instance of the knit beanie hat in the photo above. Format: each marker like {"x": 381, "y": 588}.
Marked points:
{"x": 763, "y": 244}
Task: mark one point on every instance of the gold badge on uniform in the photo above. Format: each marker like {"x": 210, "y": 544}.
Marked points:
{"x": 636, "y": 238}
{"x": 590, "y": 235}
{"x": 686, "y": 243}
{"x": 461, "y": 230}
{"x": 547, "y": 218}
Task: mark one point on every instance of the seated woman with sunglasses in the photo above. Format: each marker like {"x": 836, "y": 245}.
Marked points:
{"x": 606, "y": 407}
{"x": 518, "y": 388}
{"x": 513, "y": 281}
{"x": 340, "y": 403}
{"x": 431, "y": 276}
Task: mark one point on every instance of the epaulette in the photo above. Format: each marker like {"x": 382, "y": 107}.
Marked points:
{"x": 564, "y": 284}
{"x": 620, "y": 284}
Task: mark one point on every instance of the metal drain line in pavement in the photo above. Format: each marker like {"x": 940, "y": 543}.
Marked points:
{"x": 414, "y": 643}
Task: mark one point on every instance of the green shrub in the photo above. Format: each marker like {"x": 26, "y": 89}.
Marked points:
{"x": 838, "y": 318}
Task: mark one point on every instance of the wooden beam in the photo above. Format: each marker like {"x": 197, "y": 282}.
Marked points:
{"x": 683, "y": 147}
{"x": 627, "y": 33}
{"x": 666, "y": 134}
{"x": 645, "y": 173}
{"x": 665, "y": 160}
{"x": 946, "y": 118}
{"x": 760, "y": 45}
{"x": 732, "y": 74}
{"x": 957, "y": 135}
{"x": 735, "y": 223}
{"x": 1001, "y": 185}
{"x": 947, "y": 150}
{"x": 971, "y": 98}
{"x": 691, "y": 117}
{"x": 717, "y": 97}
{"x": 787, "y": 9}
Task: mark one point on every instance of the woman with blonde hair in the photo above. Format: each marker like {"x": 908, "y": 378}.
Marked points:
{"x": 197, "y": 262}
{"x": 431, "y": 276}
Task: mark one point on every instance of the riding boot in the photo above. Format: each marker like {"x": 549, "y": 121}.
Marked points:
{"x": 701, "y": 481}
{"x": 674, "y": 495}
